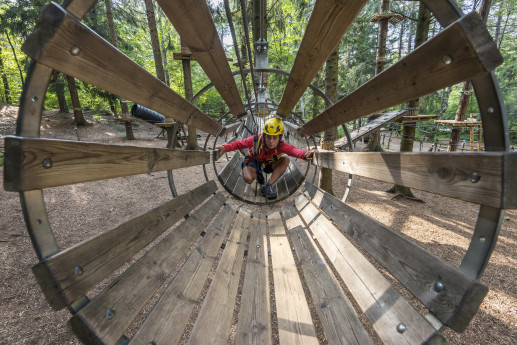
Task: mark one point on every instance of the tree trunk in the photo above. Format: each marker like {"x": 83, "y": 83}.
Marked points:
{"x": 408, "y": 132}
{"x": 466, "y": 91}
{"x": 114, "y": 42}
{"x": 79, "y": 119}
{"x": 59, "y": 88}
{"x": 189, "y": 93}
{"x": 155, "y": 41}
{"x": 15, "y": 57}
{"x": 330, "y": 135}
{"x": 374, "y": 141}
{"x": 7, "y": 90}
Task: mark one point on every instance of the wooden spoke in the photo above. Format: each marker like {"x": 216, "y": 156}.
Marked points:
{"x": 483, "y": 178}
{"x": 33, "y": 163}
{"x": 329, "y": 21}
{"x": 68, "y": 275}
{"x": 62, "y": 42}
{"x": 196, "y": 27}
{"x": 229, "y": 129}
{"x": 462, "y": 51}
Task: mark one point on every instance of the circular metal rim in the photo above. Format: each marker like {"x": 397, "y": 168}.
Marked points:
{"x": 487, "y": 91}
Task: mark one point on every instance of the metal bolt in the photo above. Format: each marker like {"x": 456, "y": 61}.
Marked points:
{"x": 475, "y": 177}
{"x": 47, "y": 163}
{"x": 246, "y": 252}
{"x": 314, "y": 237}
{"x": 401, "y": 328}
{"x": 292, "y": 248}
{"x": 447, "y": 59}
{"x": 110, "y": 314}
{"x": 203, "y": 234}
{"x": 438, "y": 286}
{"x": 258, "y": 245}
{"x": 34, "y": 98}
{"x": 78, "y": 270}
{"x": 223, "y": 245}
{"x": 75, "y": 50}
{"x": 490, "y": 110}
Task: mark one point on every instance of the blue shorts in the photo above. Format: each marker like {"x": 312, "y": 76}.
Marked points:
{"x": 268, "y": 169}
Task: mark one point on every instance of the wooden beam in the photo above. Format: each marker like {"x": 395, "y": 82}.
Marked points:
{"x": 62, "y": 42}
{"x": 193, "y": 21}
{"x": 66, "y": 276}
{"x": 462, "y": 51}
{"x": 328, "y": 23}
{"x": 231, "y": 128}
{"x": 475, "y": 177}
{"x": 110, "y": 313}
{"x": 454, "y": 301}
{"x": 382, "y": 304}
{"x": 34, "y": 163}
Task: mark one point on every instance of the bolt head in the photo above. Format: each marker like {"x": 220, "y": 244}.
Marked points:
{"x": 75, "y": 50}
{"x": 78, "y": 270}
{"x": 110, "y": 314}
{"x": 438, "y": 286}
{"x": 475, "y": 177}
{"x": 447, "y": 59}
{"x": 47, "y": 163}
{"x": 401, "y": 328}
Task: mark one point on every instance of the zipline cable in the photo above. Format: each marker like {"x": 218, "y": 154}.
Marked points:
{"x": 248, "y": 47}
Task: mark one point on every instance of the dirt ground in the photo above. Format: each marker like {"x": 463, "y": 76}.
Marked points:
{"x": 441, "y": 225}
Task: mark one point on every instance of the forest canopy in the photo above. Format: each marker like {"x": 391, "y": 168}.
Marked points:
{"x": 284, "y": 28}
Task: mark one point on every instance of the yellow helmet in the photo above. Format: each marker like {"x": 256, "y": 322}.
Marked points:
{"x": 274, "y": 126}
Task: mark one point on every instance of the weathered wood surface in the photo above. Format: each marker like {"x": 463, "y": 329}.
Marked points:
{"x": 462, "y": 51}
{"x": 33, "y": 163}
{"x": 417, "y": 118}
{"x": 475, "y": 177}
{"x": 281, "y": 188}
{"x": 66, "y": 276}
{"x": 215, "y": 317}
{"x": 225, "y": 173}
{"x": 235, "y": 176}
{"x": 419, "y": 271}
{"x": 166, "y": 322}
{"x": 377, "y": 298}
{"x": 328, "y": 23}
{"x": 338, "y": 318}
{"x": 292, "y": 311}
{"x": 129, "y": 293}
{"x": 370, "y": 127}
{"x": 193, "y": 21}
{"x": 62, "y": 42}
{"x": 231, "y": 128}
{"x": 254, "y": 325}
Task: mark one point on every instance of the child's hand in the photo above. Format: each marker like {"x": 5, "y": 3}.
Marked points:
{"x": 221, "y": 149}
{"x": 308, "y": 155}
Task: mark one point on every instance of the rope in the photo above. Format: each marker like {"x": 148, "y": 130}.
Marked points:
{"x": 236, "y": 47}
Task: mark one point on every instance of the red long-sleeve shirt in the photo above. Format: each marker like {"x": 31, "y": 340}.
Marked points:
{"x": 263, "y": 157}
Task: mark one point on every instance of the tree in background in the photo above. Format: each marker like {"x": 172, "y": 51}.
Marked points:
{"x": 79, "y": 119}
{"x": 330, "y": 135}
{"x": 57, "y": 84}
{"x": 155, "y": 41}
{"x": 466, "y": 91}
{"x": 5, "y": 82}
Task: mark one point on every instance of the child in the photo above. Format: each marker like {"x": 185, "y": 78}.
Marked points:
{"x": 266, "y": 154}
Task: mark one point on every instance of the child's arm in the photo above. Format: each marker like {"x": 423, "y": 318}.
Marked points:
{"x": 293, "y": 151}
{"x": 236, "y": 145}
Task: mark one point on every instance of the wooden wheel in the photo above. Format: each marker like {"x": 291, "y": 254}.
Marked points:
{"x": 462, "y": 51}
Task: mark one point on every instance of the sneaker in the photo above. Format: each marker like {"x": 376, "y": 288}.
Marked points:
{"x": 260, "y": 178}
{"x": 268, "y": 191}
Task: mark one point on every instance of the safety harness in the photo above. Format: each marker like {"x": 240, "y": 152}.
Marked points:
{"x": 255, "y": 152}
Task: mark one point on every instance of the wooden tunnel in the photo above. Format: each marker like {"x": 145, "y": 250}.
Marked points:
{"x": 290, "y": 259}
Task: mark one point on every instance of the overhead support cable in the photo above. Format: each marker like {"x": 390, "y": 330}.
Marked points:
{"x": 238, "y": 55}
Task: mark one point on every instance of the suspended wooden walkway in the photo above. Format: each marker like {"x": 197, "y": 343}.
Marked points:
{"x": 203, "y": 268}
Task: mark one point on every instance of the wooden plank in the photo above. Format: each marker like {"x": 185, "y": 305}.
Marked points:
{"x": 66, "y": 276}
{"x": 251, "y": 191}
{"x": 462, "y": 51}
{"x": 109, "y": 314}
{"x": 254, "y": 320}
{"x": 282, "y": 188}
{"x": 451, "y": 174}
{"x": 418, "y": 270}
{"x": 328, "y": 23}
{"x": 382, "y": 304}
{"x": 417, "y": 118}
{"x": 370, "y": 127}
{"x": 292, "y": 186}
{"x": 232, "y": 128}
{"x": 193, "y": 21}
{"x": 62, "y": 42}
{"x": 240, "y": 187}
{"x": 215, "y": 317}
{"x": 229, "y": 167}
{"x": 295, "y": 171}
{"x": 34, "y": 163}
{"x": 338, "y": 318}
{"x": 167, "y": 320}
{"x": 234, "y": 176}
{"x": 294, "y": 318}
